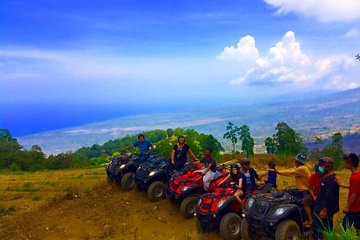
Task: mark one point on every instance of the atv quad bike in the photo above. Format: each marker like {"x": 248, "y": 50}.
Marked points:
{"x": 221, "y": 210}
{"x": 121, "y": 169}
{"x": 152, "y": 177}
{"x": 278, "y": 215}
{"x": 185, "y": 190}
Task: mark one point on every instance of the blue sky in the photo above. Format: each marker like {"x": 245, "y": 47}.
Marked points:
{"x": 134, "y": 54}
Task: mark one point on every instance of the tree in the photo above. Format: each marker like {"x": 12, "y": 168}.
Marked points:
{"x": 232, "y": 132}
{"x": 247, "y": 142}
{"x": 335, "y": 150}
{"x": 357, "y": 56}
{"x": 270, "y": 146}
{"x": 287, "y": 141}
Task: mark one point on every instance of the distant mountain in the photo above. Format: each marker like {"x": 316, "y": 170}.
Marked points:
{"x": 351, "y": 143}
{"x": 313, "y": 116}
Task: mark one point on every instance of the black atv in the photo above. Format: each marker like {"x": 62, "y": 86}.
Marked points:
{"x": 278, "y": 215}
{"x": 121, "y": 169}
{"x": 152, "y": 176}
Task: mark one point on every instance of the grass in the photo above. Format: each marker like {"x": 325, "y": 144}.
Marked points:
{"x": 17, "y": 189}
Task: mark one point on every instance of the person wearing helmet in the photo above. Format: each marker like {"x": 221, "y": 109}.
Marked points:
{"x": 250, "y": 175}
{"x": 352, "y": 209}
{"x": 179, "y": 154}
{"x": 327, "y": 201}
{"x": 309, "y": 199}
{"x": 237, "y": 181}
{"x": 300, "y": 172}
{"x": 144, "y": 146}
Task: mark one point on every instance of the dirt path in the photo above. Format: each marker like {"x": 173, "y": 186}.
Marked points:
{"x": 103, "y": 213}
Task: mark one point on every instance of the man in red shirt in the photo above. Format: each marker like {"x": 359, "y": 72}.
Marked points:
{"x": 309, "y": 199}
{"x": 352, "y": 209}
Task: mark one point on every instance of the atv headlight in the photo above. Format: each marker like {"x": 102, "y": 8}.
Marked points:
{"x": 221, "y": 203}
{"x": 152, "y": 173}
{"x": 250, "y": 203}
{"x": 139, "y": 168}
{"x": 122, "y": 166}
{"x": 280, "y": 211}
{"x": 184, "y": 189}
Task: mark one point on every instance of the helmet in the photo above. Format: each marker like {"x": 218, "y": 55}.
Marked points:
{"x": 301, "y": 158}
{"x": 244, "y": 161}
{"x": 234, "y": 165}
{"x": 317, "y": 167}
{"x": 326, "y": 161}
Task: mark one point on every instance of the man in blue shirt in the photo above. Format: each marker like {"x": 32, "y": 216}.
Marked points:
{"x": 144, "y": 146}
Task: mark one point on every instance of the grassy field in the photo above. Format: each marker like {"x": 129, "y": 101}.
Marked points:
{"x": 79, "y": 204}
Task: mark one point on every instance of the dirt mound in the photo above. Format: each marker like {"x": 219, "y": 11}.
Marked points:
{"x": 104, "y": 213}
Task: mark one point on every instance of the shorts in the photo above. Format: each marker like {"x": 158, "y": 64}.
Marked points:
{"x": 308, "y": 199}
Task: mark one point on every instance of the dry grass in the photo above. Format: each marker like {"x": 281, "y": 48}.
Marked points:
{"x": 79, "y": 204}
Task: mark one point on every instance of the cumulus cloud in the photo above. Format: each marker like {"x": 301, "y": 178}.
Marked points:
{"x": 322, "y": 10}
{"x": 286, "y": 63}
{"x": 244, "y": 50}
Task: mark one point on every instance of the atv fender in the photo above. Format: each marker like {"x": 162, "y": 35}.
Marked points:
{"x": 226, "y": 203}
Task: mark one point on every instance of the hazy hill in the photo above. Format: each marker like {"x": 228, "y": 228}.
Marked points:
{"x": 312, "y": 117}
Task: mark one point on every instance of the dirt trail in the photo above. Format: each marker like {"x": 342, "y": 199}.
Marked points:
{"x": 104, "y": 213}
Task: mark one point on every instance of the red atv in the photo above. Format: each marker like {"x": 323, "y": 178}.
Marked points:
{"x": 186, "y": 188}
{"x": 220, "y": 209}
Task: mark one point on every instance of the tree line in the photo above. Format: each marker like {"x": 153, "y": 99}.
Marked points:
{"x": 14, "y": 157}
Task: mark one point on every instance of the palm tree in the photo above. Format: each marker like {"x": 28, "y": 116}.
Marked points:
{"x": 358, "y": 56}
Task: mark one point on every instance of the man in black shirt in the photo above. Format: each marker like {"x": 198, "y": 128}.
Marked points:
{"x": 327, "y": 202}
{"x": 210, "y": 168}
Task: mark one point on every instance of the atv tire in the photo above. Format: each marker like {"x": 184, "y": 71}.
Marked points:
{"x": 201, "y": 227}
{"x": 245, "y": 231}
{"x": 188, "y": 206}
{"x": 128, "y": 181}
{"x": 230, "y": 227}
{"x": 156, "y": 191}
{"x": 288, "y": 229}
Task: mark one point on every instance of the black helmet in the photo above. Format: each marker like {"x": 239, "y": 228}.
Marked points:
{"x": 244, "y": 161}
{"x": 234, "y": 165}
{"x": 317, "y": 167}
{"x": 301, "y": 158}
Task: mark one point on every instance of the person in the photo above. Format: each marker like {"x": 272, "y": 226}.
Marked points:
{"x": 309, "y": 199}
{"x": 144, "y": 146}
{"x": 327, "y": 201}
{"x": 210, "y": 169}
{"x": 300, "y": 172}
{"x": 250, "y": 175}
{"x": 179, "y": 154}
{"x": 271, "y": 179}
{"x": 352, "y": 209}
{"x": 237, "y": 181}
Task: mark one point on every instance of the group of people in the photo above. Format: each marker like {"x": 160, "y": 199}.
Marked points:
{"x": 320, "y": 190}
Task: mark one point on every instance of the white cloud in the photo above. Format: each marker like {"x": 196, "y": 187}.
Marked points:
{"x": 353, "y": 33}
{"x": 244, "y": 51}
{"x": 286, "y": 63}
{"x": 322, "y": 10}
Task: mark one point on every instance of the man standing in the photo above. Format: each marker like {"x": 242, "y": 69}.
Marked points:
{"x": 327, "y": 202}
{"x": 300, "y": 172}
{"x": 352, "y": 209}
{"x": 144, "y": 146}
